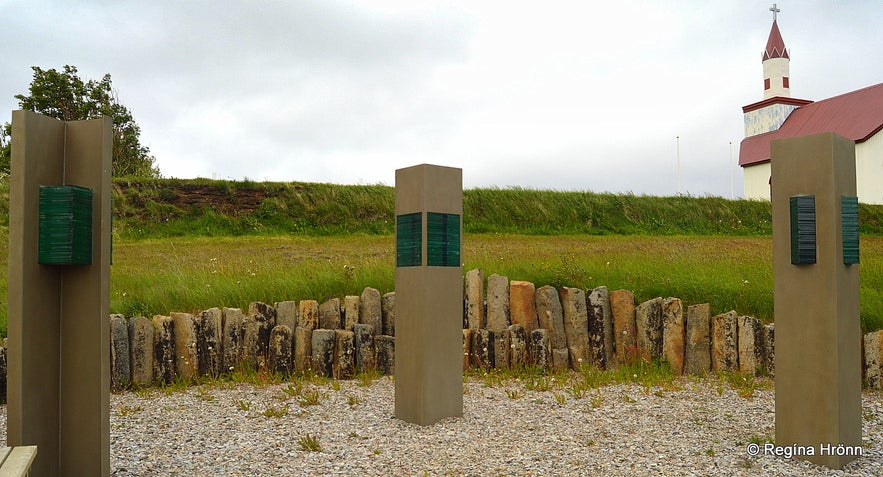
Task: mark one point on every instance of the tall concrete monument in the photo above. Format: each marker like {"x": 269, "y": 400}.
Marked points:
{"x": 59, "y": 292}
{"x": 816, "y": 279}
{"x": 429, "y": 294}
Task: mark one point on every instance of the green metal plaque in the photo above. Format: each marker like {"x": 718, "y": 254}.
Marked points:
{"x": 409, "y": 240}
{"x": 443, "y": 244}
{"x": 849, "y": 220}
{"x": 65, "y": 225}
{"x": 803, "y": 230}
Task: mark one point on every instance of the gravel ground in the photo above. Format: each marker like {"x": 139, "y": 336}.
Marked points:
{"x": 621, "y": 430}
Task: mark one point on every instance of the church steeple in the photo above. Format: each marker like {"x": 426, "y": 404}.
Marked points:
{"x": 776, "y": 60}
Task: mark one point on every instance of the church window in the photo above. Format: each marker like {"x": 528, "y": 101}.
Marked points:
{"x": 766, "y": 83}
{"x": 785, "y": 82}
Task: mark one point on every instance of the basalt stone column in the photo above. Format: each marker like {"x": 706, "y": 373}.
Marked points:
{"x": 370, "y": 311}
{"x": 697, "y": 354}
{"x": 873, "y": 358}
{"x": 231, "y": 338}
{"x": 323, "y": 352}
{"x": 303, "y": 349}
{"x": 209, "y": 326}
{"x": 429, "y": 294}
{"x": 523, "y": 305}
{"x": 256, "y": 329}
{"x": 467, "y": 349}
{"x": 673, "y": 333}
{"x": 121, "y": 373}
{"x": 344, "y": 354}
{"x": 622, "y": 306}
{"x": 308, "y": 314}
{"x": 551, "y": 318}
{"x": 388, "y": 308}
{"x": 351, "y": 304}
{"x": 576, "y": 326}
{"x": 186, "y": 358}
{"x": 329, "y": 315}
{"x": 385, "y": 347}
{"x": 498, "y": 316}
{"x": 482, "y": 349}
{"x": 475, "y": 317}
{"x": 163, "y": 350}
{"x": 816, "y": 294}
{"x": 540, "y": 352}
{"x": 600, "y": 325}
{"x": 769, "y": 345}
{"x": 286, "y": 313}
{"x": 648, "y": 323}
{"x": 141, "y": 350}
{"x": 724, "y": 342}
{"x": 750, "y": 342}
{"x": 280, "y": 360}
{"x": 364, "y": 347}
{"x": 516, "y": 341}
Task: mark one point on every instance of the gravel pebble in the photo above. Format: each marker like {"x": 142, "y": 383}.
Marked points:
{"x": 618, "y": 430}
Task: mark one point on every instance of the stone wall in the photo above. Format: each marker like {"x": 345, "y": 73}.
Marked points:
{"x": 506, "y": 324}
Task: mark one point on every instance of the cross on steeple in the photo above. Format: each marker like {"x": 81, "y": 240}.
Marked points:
{"x": 775, "y": 11}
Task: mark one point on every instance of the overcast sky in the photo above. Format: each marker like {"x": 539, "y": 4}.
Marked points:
{"x": 582, "y": 95}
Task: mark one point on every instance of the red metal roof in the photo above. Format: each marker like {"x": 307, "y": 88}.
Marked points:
{"x": 775, "y": 46}
{"x": 857, "y": 115}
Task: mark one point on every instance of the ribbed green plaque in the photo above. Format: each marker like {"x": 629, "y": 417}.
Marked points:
{"x": 803, "y": 230}
{"x": 443, "y": 244}
{"x": 849, "y": 219}
{"x": 409, "y": 240}
{"x": 65, "y": 225}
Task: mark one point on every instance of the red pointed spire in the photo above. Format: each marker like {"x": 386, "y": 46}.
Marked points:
{"x": 775, "y": 46}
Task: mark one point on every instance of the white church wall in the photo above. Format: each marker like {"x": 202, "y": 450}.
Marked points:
{"x": 767, "y": 119}
{"x": 869, "y": 170}
{"x": 775, "y": 69}
{"x": 757, "y": 181}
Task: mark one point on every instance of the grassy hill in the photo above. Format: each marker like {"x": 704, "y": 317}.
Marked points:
{"x": 201, "y": 207}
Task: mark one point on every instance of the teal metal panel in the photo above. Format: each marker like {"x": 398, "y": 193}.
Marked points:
{"x": 65, "y": 225}
{"x": 803, "y": 229}
{"x": 849, "y": 220}
{"x": 443, "y": 244}
{"x": 409, "y": 240}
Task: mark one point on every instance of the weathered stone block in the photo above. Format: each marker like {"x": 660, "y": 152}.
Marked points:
{"x": 308, "y": 314}
{"x": 370, "y": 311}
{"x": 364, "y": 347}
{"x": 344, "y": 354}
{"x": 523, "y": 305}
{"x": 231, "y": 337}
{"x": 141, "y": 350}
{"x": 209, "y": 340}
{"x": 329, "y": 315}
{"x": 516, "y": 342}
{"x": 550, "y": 315}
{"x": 769, "y": 345}
{"x": 256, "y": 329}
{"x": 540, "y": 352}
{"x": 501, "y": 350}
{"x": 474, "y": 295}
{"x": 279, "y": 353}
{"x": 163, "y": 350}
{"x": 388, "y": 308}
{"x": 697, "y": 352}
{"x": 4, "y": 371}
{"x": 351, "y": 306}
{"x": 267, "y": 312}
{"x": 498, "y": 304}
{"x": 750, "y": 344}
{"x": 648, "y": 324}
{"x": 286, "y": 313}
{"x": 482, "y": 349}
{"x": 385, "y": 347}
{"x": 576, "y": 326}
{"x": 186, "y": 357}
{"x": 873, "y": 356}
{"x": 622, "y": 307}
{"x": 560, "y": 358}
{"x": 303, "y": 349}
{"x": 323, "y": 352}
{"x": 600, "y": 326}
{"x": 467, "y": 349}
{"x": 724, "y": 336}
{"x": 120, "y": 371}
{"x": 673, "y": 333}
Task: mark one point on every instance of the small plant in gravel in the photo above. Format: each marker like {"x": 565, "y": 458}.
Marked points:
{"x": 352, "y": 400}
{"x": 512, "y": 393}
{"x": 367, "y": 377}
{"x": 560, "y": 398}
{"x": 273, "y": 411}
{"x": 760, "y": 440}
{"x": 243, "y": 405}
{"x": 126, "y": 411}
{"x": 202, "y": 393}
{"x": 710, "y": 452}
{"x": 309, "y": 443}
{"x": 310, "y": 397}
{"x": 627, "y": 398}
{"x": 293, "y": 389}
{"x": 596, "y": 400}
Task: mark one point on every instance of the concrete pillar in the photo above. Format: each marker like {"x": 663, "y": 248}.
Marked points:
{"x": 818, "y": 336}
{"x": 59, "y": 355}
{"x": 429, "y": 294}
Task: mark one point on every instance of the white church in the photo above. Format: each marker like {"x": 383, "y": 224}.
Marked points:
{"x": 857, "y": 115}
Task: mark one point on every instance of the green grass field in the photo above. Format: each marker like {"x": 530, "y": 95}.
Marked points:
{"x": 158, "y": 276}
